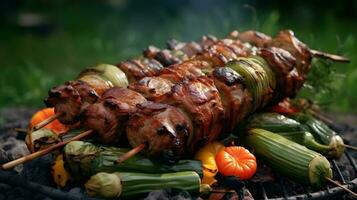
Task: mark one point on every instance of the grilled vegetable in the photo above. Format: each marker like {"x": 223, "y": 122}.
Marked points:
{"x": 293, "y": 130}
{"x": 110, "y": 73}
{"x": 259, "y": 78}
{"x": 273, "y": 122}
{"x": 289, "y": 158}
{"x": 43, "y": 114}
{"x": 59, "y": 174}
{"x": 236, "y": 161}
{"x": 41, "y": 139}
{"x": 207, "y": 156}
{"x": 130, "y": 185}
{"x": 322, "y": 133}
{"x": 84, "y": 159}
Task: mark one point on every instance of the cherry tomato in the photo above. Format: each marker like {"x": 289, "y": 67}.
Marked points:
{"x": 45, "y": 113}
{"x": 236, "y": 161}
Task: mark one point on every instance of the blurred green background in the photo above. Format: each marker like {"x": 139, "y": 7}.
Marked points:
{"x": 43, "y": 43}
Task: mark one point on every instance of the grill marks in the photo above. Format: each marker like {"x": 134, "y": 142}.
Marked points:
{"x": 236, "y": 99}
{"x": 139, "y": 68}
{"x": 211, "y": 95}
{"x": 182, "y": 106}
{"x": 163, "y": 128}
{"x": 108, "y": 116}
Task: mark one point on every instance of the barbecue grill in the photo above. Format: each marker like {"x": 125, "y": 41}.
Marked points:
{"x": 345, "y": 171}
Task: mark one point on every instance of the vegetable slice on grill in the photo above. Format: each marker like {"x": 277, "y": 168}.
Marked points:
{"x": 289, "y": 158}
{"x": 84, "y": 159}
{"x": 297, "y": 132}
{"x": 130, "y": 184}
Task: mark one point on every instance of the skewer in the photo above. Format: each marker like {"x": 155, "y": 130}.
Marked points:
{"x": 21, "y": 130}
{"x": 43, "y": 152}
{"x": 351, "y": 147}
{"x": 342, "y": 186}
{"x": 130, "y": 153}
{"x": 329, "y": 56}
{"x": 46, "y": 121}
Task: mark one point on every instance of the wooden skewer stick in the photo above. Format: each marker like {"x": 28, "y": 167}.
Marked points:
{"x": 21, "y": 130}
{"x": 342, "y": 186}
{"x": 351, "y": 147}
{"x": 46, "y": 121}
{"x": 130, "y": 153}
{"x": 329, "y": 56}
{"x": 43, "y": 152}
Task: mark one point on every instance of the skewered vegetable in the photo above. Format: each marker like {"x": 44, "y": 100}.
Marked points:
{"x": 296, "y": 132}
{"x": 41, "y": 139}
{"x": 130, "y": 185}
{"x": 236, "y": 161}
{"x": 289, "y": 158}
{"x": 44, "y": 114}
{"x": 84, "y": 159}
{"x": 111, "y": 73}
{"x": 207, "y": 156}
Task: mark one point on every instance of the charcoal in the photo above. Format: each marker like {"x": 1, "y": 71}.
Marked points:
{"x": 39, "y": 170}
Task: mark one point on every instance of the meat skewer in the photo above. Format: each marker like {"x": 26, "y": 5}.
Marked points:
{"x": 138, "y": 68}
{"x": 187, "y": 112}
{"x": 134, "y": 70}
{"x": 186, "y": 100}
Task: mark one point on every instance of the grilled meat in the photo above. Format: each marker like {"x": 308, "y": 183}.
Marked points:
{"x": 200, "y": 93}
{"x": 108, "y": 116}
{"x": 139, "y": 68}
{"x": 164, "y": 129}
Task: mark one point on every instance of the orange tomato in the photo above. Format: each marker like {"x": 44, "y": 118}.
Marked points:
{"x": 236, "y": 161}
{"x": 45, "y": 113}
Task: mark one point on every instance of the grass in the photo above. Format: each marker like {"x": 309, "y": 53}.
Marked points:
{"x": 84, "y": 37}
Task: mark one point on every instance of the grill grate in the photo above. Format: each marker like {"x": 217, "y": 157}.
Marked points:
{"x": 322, "y": 194}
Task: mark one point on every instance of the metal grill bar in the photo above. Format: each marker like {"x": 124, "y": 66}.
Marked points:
{"x": 339, "y": 173}
{"x": 352, "y": 161}
{"x": 282, "y": 186}
{"x": 265, "y": 197}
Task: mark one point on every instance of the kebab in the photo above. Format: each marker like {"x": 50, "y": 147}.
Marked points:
{"x": 70, "y": 99}
{"x": 92, "y": 82}
{"x": 189, "y": 102}
{"x": 201, "y": 111}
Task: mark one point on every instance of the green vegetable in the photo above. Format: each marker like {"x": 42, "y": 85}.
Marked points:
{"x": 84, "y": 159}
{"x": 109, "y": 73}
{"x": 41, "y": 139}
{"x": 258, "y": 77}
{"x": 289, "y": 158}
{"x": 322, "y": 133}
{"x": 273, "y": 122}
{"x": 293, "y": 130}
{"x": 130, "y": 185}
